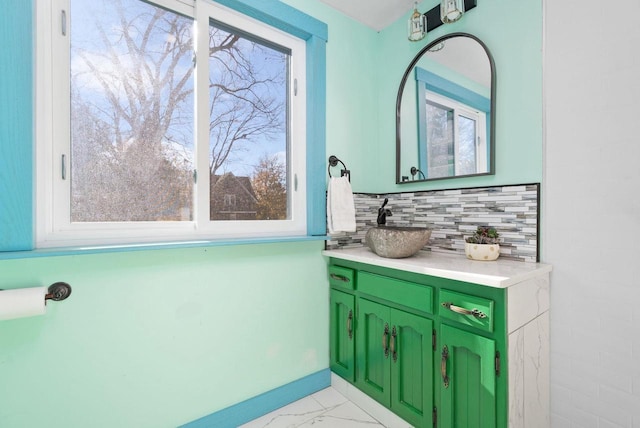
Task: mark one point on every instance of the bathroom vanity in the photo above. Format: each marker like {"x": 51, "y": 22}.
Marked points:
{"x": 441, "y": 340}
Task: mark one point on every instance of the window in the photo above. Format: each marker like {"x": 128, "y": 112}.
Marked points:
{"x": 169, "y": 122}
{"x": 229, "y": 202}
{"x": 454, "y": 116}
{"x": 454, "y": 138}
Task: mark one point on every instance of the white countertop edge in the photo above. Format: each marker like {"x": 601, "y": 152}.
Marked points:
{"x": 501, "y": 273}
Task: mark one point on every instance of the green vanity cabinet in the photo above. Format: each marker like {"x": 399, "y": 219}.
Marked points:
{"x": 467, "y": 379}
{"x": 342, "y": 334}
{"x": 394, "y": 360}
{"x": 470, "y": 339}
{"x": 425, "y": 347}
{"x": 469, "y": 361}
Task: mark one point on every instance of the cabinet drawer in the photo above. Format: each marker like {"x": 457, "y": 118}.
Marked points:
{"x": 415, "y": 296}
{"x": 466, "y": 309}
{"x": 341, "y": 277}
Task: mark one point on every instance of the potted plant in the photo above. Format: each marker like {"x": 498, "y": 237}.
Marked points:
{"x": 483, "y": 244}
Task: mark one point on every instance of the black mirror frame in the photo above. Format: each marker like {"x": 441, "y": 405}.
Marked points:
{"x": 492, "y": 119}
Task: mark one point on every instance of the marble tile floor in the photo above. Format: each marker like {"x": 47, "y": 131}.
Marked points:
{"x": 326, "y": 408}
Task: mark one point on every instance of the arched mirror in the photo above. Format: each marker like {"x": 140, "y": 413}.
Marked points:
{"x": 445, "y": 111}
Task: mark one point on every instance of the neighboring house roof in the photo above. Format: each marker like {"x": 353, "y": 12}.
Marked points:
{"x": 230, "y": 181}
{"x": 232, "y": 198}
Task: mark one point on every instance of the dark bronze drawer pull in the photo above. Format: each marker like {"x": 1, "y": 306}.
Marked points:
{"x": 339, "y": 278}
{"x": 462, "y": 311}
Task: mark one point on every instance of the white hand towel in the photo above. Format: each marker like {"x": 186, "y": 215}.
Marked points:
{"x": 341, "y": 210}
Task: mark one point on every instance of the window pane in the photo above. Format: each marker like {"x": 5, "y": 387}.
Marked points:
{"x": 131, "y": 112}
{"x": 466, "y": 162}
{"x": 248, "y": 144}
{"x": 440, "y": 153}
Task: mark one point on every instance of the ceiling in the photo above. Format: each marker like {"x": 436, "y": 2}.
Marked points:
{"x": 376, "y": 14}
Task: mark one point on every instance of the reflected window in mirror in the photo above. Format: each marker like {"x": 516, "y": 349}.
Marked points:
{"x": 445, "y": 111}
{"x": 452, "y": 127}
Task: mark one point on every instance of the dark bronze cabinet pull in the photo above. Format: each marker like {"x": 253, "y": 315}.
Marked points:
{"x": 394, "y": 336}
{"x": 443, "y": 366}
{"x": 385, "y": 337}
{"x": 462, "y": 311}
{"x": 350, "y": 324}
{"x": 339, "y": 277}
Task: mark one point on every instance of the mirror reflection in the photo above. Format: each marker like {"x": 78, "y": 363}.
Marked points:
{"x": 444, "y": 111}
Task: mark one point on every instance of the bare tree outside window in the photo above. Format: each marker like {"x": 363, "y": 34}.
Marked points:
{"x": 466, "y": 162}
{"x": 452, "y": 130}
{"x": 132, "y": 114}
{"x": 440, "y": 140}
{"x": 248, "y": 89}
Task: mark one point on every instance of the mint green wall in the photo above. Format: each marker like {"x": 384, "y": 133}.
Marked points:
{"x": 512, "y": 32}
{"x": 352, "y": 97}
{"x": 160, "y": 338}
{"x": 163, "y": 337}
{"x": 364, "y": 71}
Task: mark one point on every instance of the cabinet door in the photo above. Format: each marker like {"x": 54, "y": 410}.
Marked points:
{"x": 412, "y": 368}
{"x": 467, "y": 379}
{"x": 342, "y": 332}
{"x": 373, "y": 350}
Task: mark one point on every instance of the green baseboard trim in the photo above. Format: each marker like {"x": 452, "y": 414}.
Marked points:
{"x": 262, "y": 404}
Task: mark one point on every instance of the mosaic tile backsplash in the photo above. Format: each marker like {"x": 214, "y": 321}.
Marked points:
{"x": 452, "y": 215}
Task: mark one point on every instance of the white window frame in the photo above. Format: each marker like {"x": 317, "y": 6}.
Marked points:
{"x": 53, "y": 225}
{"x": 460, "y": 109}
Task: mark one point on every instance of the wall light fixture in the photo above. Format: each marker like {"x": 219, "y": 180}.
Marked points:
{"x": 445, "y": 12}
{"x": 417, "y": 25}
{"x": 451, "y": 10}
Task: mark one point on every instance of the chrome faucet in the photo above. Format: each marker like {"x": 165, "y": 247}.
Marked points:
{"x": 383, "y": 213}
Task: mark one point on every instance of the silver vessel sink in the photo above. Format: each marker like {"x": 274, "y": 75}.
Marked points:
{"x": 397, "y": 242}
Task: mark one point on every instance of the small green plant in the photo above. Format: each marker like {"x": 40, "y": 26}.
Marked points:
{"x": 484, "y": 235}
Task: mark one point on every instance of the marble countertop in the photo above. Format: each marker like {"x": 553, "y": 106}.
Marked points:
{"x": 501, "y": 273}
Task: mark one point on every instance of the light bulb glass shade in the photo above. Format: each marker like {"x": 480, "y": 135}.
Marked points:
{"x": 417, "y": 26}
{"x": 451, "y": 10}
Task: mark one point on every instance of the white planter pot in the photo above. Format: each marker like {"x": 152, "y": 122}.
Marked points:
{"x": 482, "y": 251}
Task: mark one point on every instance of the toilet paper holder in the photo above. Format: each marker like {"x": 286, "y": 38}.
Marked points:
{"x": 58, "y": 291}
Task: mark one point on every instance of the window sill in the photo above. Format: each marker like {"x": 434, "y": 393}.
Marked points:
{"x": 101, "y": 249}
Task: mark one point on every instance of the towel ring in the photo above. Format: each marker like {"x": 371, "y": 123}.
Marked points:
{"x": 333, "y": 161}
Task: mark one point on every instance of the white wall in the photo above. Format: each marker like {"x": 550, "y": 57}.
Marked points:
{"x": 591, "y": 210}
